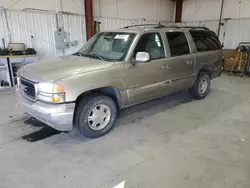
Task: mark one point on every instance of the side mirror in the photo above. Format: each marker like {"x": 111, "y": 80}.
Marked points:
{"x": 141, "y": 57}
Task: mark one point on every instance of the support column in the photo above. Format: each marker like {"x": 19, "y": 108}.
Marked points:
{"x": 88, "y": 5}
{"x": 178, "y": 10}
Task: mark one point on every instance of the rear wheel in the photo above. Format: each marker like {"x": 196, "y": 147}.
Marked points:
{"x": 201, "y": 87}
{"x": 95, "y": 115}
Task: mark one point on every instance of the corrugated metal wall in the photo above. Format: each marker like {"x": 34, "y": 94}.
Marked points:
{"x": 134, "y": 9}
{"x": 115, "y": 23}
{"x": 36, "y": 29}
{"x": 196, "y": 10}
{"x": 3, "y": 26}
{"x": 237, "y": 30}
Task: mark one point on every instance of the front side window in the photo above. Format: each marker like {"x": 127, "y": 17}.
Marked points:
{"x": 178, "y": 43}
{"x": 151, "y": 43}
{"x": 108, "y": 46}
{"x": 205, "y": 40}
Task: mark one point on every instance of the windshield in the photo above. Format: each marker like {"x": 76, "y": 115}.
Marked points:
{"x": 107, "y": 46}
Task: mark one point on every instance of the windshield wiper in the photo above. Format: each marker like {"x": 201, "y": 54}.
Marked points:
{"x": 89, "y": 55}
{"x": 92, "y": 55}
{"x": 98, "y": 56}
{"x": 78, "y": 54}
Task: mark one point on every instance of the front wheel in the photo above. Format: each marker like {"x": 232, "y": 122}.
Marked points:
{"x": 201, "y": 87}
{"x": 95, "y": 116}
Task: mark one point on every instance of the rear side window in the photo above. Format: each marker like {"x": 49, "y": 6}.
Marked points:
{"x": 205, "y": 40}
{"x": 178, "y": 43}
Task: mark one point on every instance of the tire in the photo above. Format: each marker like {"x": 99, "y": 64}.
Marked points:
{"x": 197, "y": 91}
{"x": 95, "y": 115}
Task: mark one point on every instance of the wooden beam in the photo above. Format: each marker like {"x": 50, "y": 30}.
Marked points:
{"x": 88, "y": 5}
{"x": 178, "y": 10}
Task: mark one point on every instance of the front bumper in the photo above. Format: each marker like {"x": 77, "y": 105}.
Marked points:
{"x": 58, "y": 116}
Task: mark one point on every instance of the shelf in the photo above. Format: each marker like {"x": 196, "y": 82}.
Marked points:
{"x": 1, "y": 87}
{"x": 5, "y": 89}
{"x": 3, "y": 67}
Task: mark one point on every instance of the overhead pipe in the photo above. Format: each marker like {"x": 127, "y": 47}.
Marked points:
{"x": 88, "y": 5}
{"x": 36, "y": 10}
{"x": 220, "y": 21}
{"x": 59, "y": 9}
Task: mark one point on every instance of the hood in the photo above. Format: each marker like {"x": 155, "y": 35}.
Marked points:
{"x": 61, "y": 67}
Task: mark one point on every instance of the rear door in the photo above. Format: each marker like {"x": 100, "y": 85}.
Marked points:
{"x": 208, "y": 47}
{"x": 181, "y": 61}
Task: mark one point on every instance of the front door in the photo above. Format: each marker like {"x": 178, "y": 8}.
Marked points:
{"x": 147, "y": 80}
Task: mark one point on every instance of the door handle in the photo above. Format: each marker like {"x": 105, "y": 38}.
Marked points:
{"x": 164, "y": 66}
{"x": 189, "y": 62}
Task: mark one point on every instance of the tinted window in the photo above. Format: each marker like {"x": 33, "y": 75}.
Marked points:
{"x": 178, "y": 43}
{"x": 205, "y": 40}
{"x": 151, "y": 43}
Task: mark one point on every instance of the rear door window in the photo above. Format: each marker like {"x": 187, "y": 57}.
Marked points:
{"x": 205, "y": 40}
{"x": 178, "y": 43}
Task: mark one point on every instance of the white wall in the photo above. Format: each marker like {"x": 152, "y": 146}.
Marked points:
{"x": 41, "y": 25}
{"x": 36, "y": 30}
{"x": 74, "y": 6}
{"x": 135, "y": 9}
{"x": 200, "y": 10}
{"x": 125, "y": 9}
{"x": 237, "y": 9}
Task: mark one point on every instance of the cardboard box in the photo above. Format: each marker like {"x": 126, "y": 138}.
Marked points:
{"x": 229, "y": 53}
{"x": 228, "y": 64}
{"x": 232, "y": 62}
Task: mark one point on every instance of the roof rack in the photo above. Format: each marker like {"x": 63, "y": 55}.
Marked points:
{"x": 163, "y": 26}
{"x": 146, "y": 25}
{"x": 188, "y": 27}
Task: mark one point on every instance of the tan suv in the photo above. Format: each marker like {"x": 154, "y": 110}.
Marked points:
{"x": 116, "y": 69}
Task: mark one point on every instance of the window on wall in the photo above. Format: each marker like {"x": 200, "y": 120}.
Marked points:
{"x": 151, "y": 43}
{"x": 205, "y": 40}
{"x": 178, "y": 43}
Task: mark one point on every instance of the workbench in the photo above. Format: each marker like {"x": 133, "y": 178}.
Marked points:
{"x": 12, "y": 64}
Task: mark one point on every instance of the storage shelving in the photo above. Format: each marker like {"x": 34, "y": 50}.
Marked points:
{"x": 9, "y": 66}
{"x": 5, "y": 74}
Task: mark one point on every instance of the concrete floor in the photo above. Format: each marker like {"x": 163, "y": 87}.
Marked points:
{"x": 169, "y": 142}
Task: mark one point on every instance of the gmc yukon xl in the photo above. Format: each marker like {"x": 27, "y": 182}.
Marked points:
{"x": 116, "y": 69}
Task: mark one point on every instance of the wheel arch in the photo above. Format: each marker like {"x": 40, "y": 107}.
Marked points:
{"x": 111, "y": 91}
{"x": 207, "y": 70}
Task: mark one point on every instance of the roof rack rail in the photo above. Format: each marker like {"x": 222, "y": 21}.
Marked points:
{"x": 156, "y": 26}
{"x": 146, "y": 25}
{"x": 189, "y": 27}
{"x": 196, "y": 27}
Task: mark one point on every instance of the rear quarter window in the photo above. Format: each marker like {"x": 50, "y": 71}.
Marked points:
{"x": 178, "y": 44}
{"x": 205, "y": 40}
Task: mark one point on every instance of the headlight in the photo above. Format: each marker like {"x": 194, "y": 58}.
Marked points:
{"x": 18, "y": 81}
{"x": 51, "y": 93}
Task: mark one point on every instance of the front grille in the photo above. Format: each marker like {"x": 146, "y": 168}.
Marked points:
{"x": 28, "y": 88}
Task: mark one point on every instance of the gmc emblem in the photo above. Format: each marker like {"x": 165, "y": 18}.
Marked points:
{"x": 22, "y": 87}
